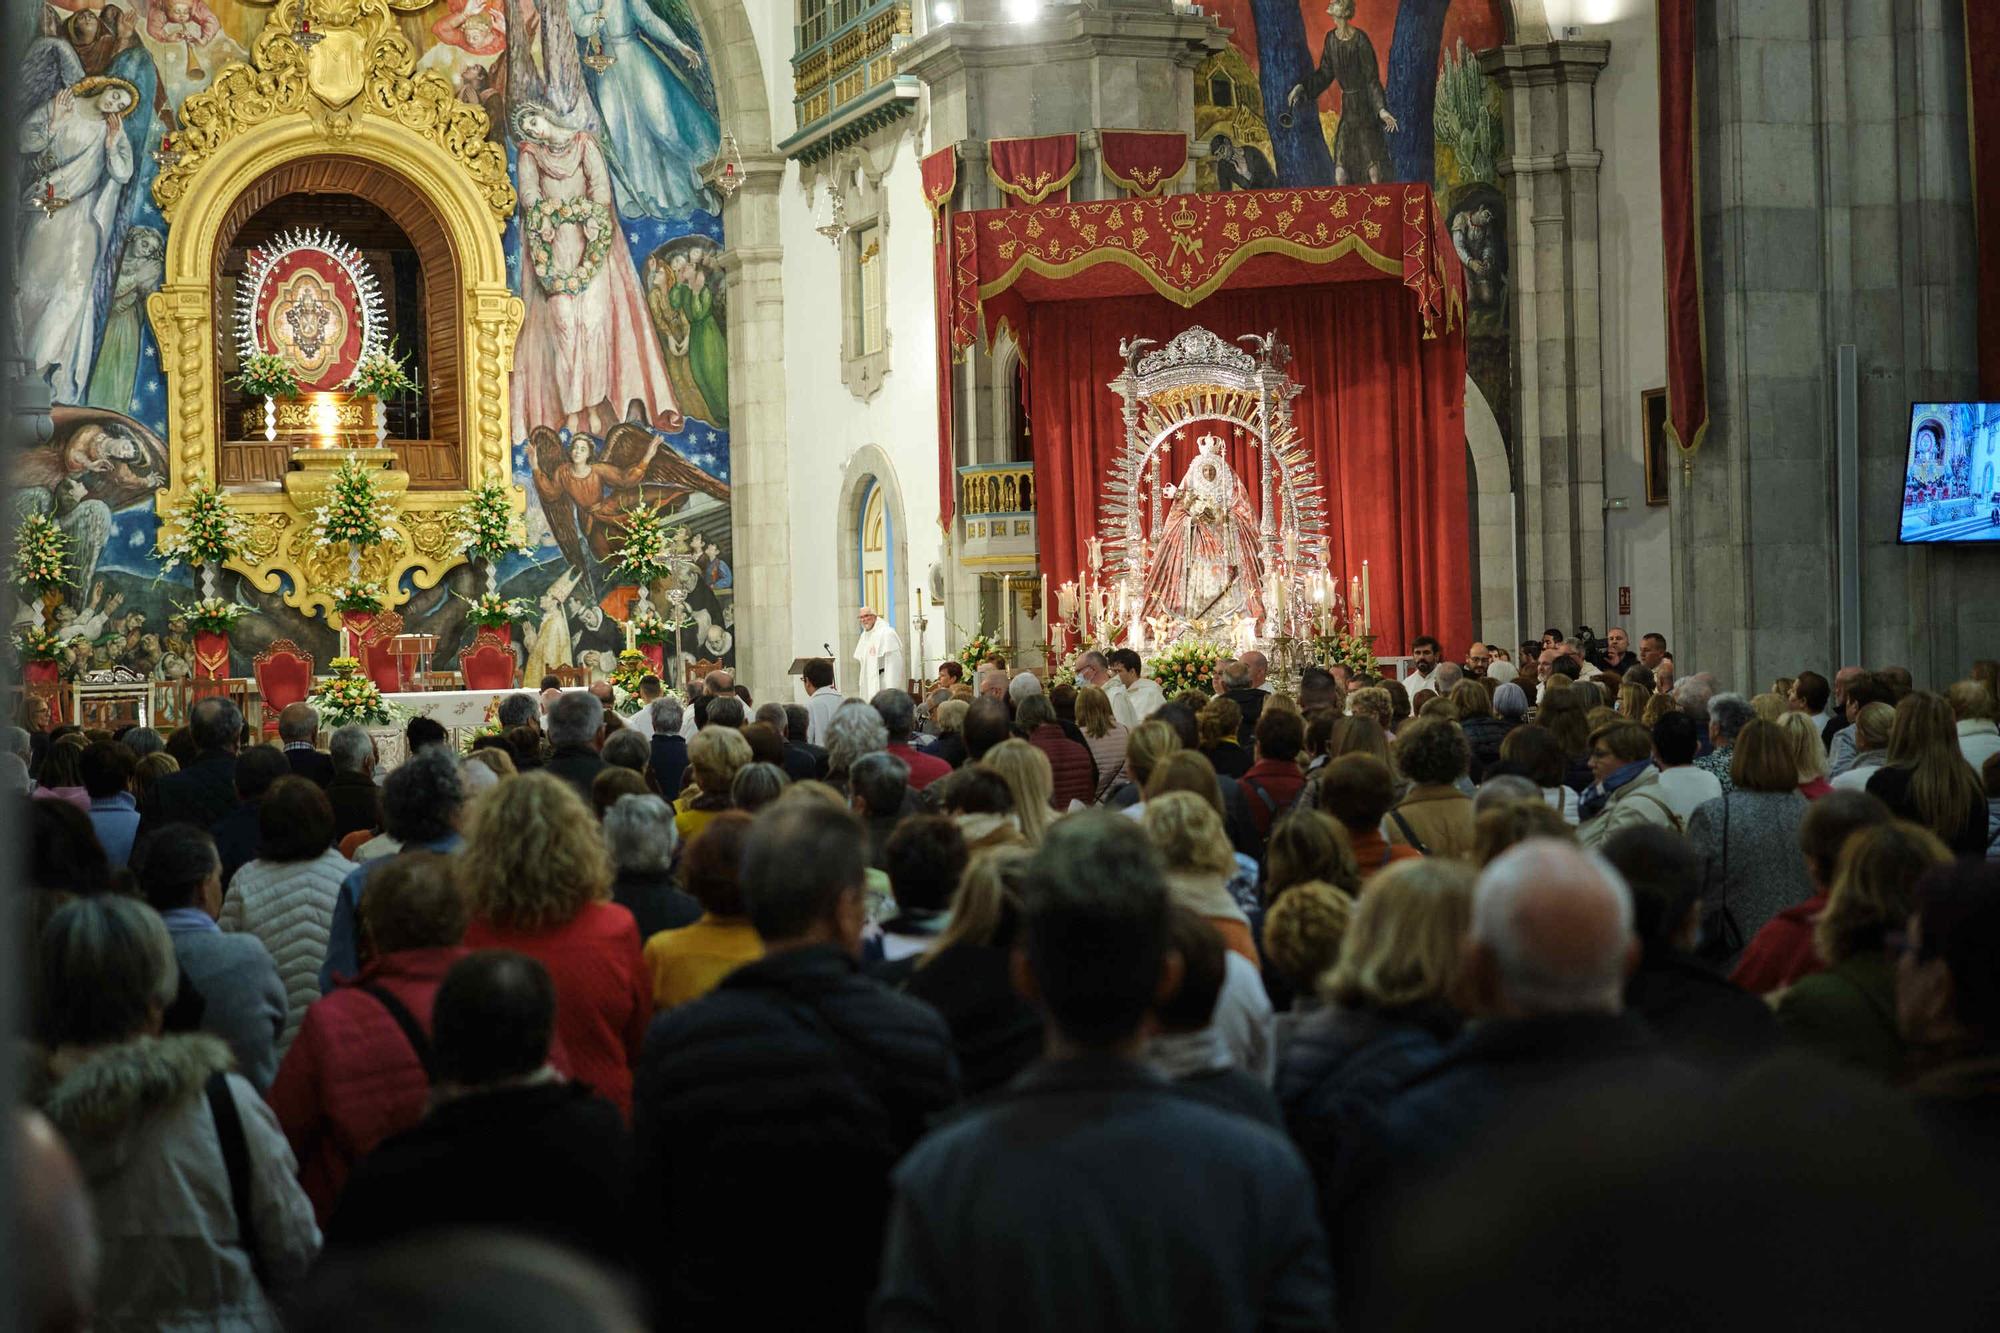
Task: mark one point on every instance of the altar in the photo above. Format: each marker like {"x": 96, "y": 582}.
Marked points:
{"x": 461, "y": 713}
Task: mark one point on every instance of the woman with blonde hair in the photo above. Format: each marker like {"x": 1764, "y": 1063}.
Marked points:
{"x": 1808, "y": 753}
{"x": 1186, "y": 771}
{"x": 1633, "y": 699}
{"x": 1657, "y": 707}
{"x": 966, "y": 973}
{"x": 1871, "y": 746}
{"x": 1030, "y": 780}
{"x": 1924, "y": 777}
{"x": 1107, "y": 737}
{"x": 1149, "y": 744}
{"x": 1847, "y": 1013}
{"x": 715, "y": 756}
{"x": 1200, "y": 863}
{"x": 1390, "y": 1008}
{"x": 538, "y": 876}
{"x": 151, "y": 768}
{"x": 1372, "y": 702}
{"x": 1770, "y": 707}
{"x": 1978, "y": 735}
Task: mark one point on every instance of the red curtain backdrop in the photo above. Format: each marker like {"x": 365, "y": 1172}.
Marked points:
{"x": 1382, "y": 410}
{"x": 1033, "y": 171}
{"x": 1982, "y": 58}
{"x": 939, "y": 173}
{"x": 1680, "y": 226}
{"x": 1145, "y": 162}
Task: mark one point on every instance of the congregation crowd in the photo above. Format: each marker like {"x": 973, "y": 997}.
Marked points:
{"x": 1545, "y": 987}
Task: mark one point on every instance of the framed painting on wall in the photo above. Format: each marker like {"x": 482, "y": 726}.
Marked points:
{"x": 1659, "y": 453}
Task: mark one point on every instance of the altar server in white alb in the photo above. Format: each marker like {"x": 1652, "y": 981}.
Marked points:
{"x": 879, "y": 656}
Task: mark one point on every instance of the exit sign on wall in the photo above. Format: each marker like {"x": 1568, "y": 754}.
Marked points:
{"x": 1624, "y": 601}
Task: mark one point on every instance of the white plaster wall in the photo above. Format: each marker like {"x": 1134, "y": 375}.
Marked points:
{"x": 1637, "y": 541}
{"x": 829, "y": 423}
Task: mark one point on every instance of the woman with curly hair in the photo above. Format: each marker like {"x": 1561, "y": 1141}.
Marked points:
{"x": 715, "y": 756}
{"x": 536, "y": 871}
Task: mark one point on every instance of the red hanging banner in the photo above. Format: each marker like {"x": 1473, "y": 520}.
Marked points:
{"x": 1187, "y": 247}
{"x": 1033, "y": 171}
{"x": 1982, "y": 95}
{"x": 939, "y": 173}
{"x": 1142, "y": 161}
{"x": 1680, "y": 228}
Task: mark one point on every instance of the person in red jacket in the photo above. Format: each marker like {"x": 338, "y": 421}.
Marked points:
{"x": 537, "y": 874}
{"x": 1782, "y": 951}
{"x": 1074, "y": 770}
{"x": 1271, "y": 784}
{"x": 354, "y": 1075}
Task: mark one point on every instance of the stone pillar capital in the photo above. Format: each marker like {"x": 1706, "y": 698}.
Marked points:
{"x": 1526, "y": 64}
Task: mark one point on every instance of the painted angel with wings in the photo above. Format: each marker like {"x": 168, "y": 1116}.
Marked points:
{"x": 585, "y": 494}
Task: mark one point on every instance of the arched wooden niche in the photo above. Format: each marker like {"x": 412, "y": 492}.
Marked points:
{"x": 350, "y": 117}
{"x": 382, "y": 214}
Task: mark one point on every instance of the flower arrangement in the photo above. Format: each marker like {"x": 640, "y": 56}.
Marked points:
{"x": 485, "y": 526}
{"x": 358, "y": 596}
{"x": 633, "y": 666}
{"x": 41, "y": 550}
{"x": 548, "y": 216}
{"x": 490, "y": 610}
{"x": 344, "y": 668}
{"x": 1352, "y": 651}
{"x": 380, "y": 374}
{"x": 205, "y": 530}
{"x": 38, "y": 644}
{"x": 981, "y": 645}
{"x": 212, "y": 615}
{"x": 356, "y": 511}
{"x": 266, "y": 375}
{"x": 647, "y": 627}
{"x": 489, "y": 727}
{"x": 1188, "y": 665}
{"x": 346, "y": 699}
{"x": 649, "y": 547}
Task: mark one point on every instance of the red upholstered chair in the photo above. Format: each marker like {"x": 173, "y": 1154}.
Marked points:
{"x": 377, "y": 662}
{"x": 487, "y": 664}
{"x": 284, "y": 675}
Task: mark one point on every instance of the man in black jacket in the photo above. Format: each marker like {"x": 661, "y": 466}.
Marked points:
{"x": 669, "y": 756}
{"x": 205, "y": 790}
{"x": 298, "y": 728}
{"x": 562, "y": 1155}
{"x": 1240, "y": 688}
{"x": 1093, "y": 1193}
{"x": 770, "y": 1111}
{"x": 237, "y": 833}
{"x": 574, "y": 722}
{"x": 1698, "y": 1015}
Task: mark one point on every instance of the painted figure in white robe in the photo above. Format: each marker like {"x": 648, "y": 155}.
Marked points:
{"x": 657, "y": 132}
{"x": 78, "y": 159}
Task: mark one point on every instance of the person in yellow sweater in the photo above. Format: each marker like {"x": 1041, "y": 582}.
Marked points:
{"x": 688, "y": 962}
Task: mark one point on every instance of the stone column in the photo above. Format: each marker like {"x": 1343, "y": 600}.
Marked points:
{"x": 1836, "y": 208}
{"x": 1549, "y": 175}
{"x": 760, "y": 489}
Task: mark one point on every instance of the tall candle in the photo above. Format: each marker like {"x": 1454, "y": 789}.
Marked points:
{"x": 1048, "y": 621}
{"x": 1367, "y": 607}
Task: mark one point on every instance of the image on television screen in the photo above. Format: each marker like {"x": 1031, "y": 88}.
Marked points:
{"x": 1951, "y": 485}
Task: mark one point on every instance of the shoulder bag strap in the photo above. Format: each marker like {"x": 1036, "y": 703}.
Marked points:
{"x": 1264, "y": 797}
{"x": 236, "y": 1161}
{"x": 1409, "y": 833}
{"x": 1673, "y": 820}
{"x": 413, "y": 1031}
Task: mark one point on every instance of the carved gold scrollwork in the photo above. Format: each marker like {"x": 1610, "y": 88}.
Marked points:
{"x": 355, "y": 91}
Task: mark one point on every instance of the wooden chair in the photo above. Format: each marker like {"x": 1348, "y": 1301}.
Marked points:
{"x": 699, "y": 668}
{"x": 488, "y": 664}
{"x": 284, "y": 674}
{"x": 571, "y": 677}
{"x": 443, "y": 680}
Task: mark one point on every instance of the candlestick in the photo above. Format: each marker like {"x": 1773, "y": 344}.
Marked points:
{"x": 1367, "y": 609}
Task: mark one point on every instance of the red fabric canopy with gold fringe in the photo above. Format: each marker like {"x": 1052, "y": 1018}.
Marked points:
{"x": 1187, "y": 247}
{"x": 1033, "y": 171}
{"x": 1145, "y": 162}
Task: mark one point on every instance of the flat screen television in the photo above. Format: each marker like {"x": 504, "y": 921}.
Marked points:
{"x": 1951, "y": 479}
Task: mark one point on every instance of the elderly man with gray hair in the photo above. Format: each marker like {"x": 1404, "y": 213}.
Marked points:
{"x": 1550, "y": 947}
{"x": 574, "y": 723}
{"x": 670, "y": 748}
{"x": 298, "y": 729}
{"x": 1727, "y": 715}
{"x": 352, "y": 791}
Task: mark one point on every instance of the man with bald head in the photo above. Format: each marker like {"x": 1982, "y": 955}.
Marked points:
{"x": 298, "y": 728}
{"x": 1546, "y": 959}
{"x": 55, "y": 1240}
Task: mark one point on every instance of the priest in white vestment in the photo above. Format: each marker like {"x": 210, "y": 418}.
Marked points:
{"x": 879, "y": 657}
